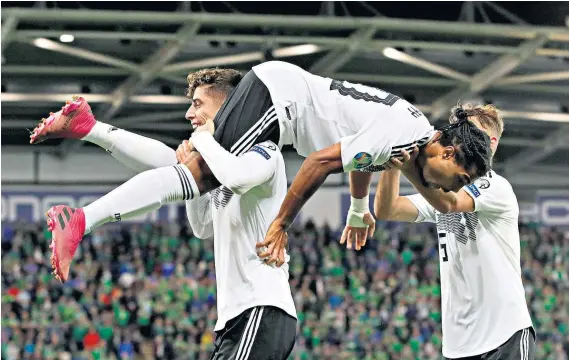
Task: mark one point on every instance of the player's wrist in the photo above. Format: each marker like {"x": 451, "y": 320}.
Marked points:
{"x": 360, "y": 205}
{"x": 281, "y": 223}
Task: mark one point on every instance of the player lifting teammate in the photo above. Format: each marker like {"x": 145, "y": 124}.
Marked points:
{"x": 484, "y": 310}
{"x": 338, "y": 125}
{"x": 255, "y": 309}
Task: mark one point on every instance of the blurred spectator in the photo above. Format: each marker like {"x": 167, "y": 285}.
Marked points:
{"x": 148, "y": 292}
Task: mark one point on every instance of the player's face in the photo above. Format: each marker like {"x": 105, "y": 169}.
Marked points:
{"x": 442, "y": 172}
{"x": 204, "y": 106}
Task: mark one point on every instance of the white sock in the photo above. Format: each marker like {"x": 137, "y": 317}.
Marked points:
{"x": 135, "y": 151}
{"x": 143, "y": 193}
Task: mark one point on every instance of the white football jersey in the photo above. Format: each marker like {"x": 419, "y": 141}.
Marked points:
{"x": 316, "y": 112}
{"x": 239, "y": 213}
{"x": 483, "y": 298}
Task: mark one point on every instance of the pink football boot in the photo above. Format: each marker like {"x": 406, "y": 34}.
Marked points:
{"x": 74, "y": 120}
{"x": 67, "y": 226}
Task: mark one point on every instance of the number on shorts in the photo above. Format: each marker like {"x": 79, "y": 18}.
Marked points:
{"x": 352, "y": 91}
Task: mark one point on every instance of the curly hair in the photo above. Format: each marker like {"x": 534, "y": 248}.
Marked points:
{"x": 487, "y": 115}
{"x": 222, "y": 81}
{"x": 472, "y": 144}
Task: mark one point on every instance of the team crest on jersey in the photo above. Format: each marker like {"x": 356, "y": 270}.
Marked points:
{"x": 483, "y": 183}
{"x": 268, "y": 145}
{"x": 361, "y": 160}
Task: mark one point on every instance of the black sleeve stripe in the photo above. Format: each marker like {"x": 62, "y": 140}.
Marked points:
{"x": 188, "y": 184}
{"x": 181, "y": 175}
{"x": 418, "y": 142}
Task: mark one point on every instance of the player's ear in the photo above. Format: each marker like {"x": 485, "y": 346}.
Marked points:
{"x": 448, "y": 152}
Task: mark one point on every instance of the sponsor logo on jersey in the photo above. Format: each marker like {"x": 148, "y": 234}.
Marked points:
{"x": 361, "y": 160}
{"x": 474, "y": 190}
{"x": 261, "y": 151}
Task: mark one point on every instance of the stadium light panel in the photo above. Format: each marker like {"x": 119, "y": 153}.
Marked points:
{"x": 44, "y": 43}
{"x": 66, "y": 38}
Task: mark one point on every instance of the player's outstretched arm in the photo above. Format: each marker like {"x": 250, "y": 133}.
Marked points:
{"x": 312, "y": 174}
{"x": 199, "y": 215}
{"x": 239, "y": 173}
{"x": 314, "y": 170}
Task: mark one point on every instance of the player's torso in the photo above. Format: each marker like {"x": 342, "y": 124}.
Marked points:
{"x": 240, "y": 221}
{"x": 316, "y": 112}
{"x": 483, "y": 301}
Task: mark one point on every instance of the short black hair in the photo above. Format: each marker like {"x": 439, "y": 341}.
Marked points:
{"x": 472, "y": 144}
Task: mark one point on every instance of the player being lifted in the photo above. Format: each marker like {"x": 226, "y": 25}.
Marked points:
{"x": 255, "y": 309}
{"x": 339, "y": 127}
{"x": 484, "y": 310}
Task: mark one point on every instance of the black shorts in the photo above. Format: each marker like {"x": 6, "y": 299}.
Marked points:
{"x": 259, "y": 333}
{"x": 521, "y": 346}
{"x": 247, "y": 117}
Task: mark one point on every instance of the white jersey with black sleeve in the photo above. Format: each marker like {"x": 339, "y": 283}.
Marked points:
{"x": 238, "y": 215}
{"x": 316, "y": 112}
{"x": 483, "y": 298}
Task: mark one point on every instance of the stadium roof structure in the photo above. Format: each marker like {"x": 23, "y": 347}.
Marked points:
{"x": 130, "y": 60}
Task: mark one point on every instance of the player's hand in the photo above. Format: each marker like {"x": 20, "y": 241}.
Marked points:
{"x": 407, "y": 161}
{"x": 208, "y": 126}
{"x": 358, "y": 234}
{"x": 183, "y": 151}
{"x": 276, "y": 240}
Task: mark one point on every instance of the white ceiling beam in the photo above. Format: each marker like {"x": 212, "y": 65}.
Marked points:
{"x": 9, "y": 26}
{"x": 527, "y": 158}
{"x": 337, "y": 58}
{"x": 97, "y": 35}
{"x": 536, "y": 116}
{"x": 527, "y": 143}
{"x": 533, "y": 78}
{"x": 63, "y": 16}
{"x": 544, "y": 89}
{"x": 253, "y": 56}
{"x": 508, "y": 84}
{"x": 328, "y": 41}
{"x": 506, "y": 13}
{"x": 84, "y": 54}
{"x": 445, "y": 71}
{"x": 154, "y": 117}
{"x": 63, "y": 70}
{"x": 505, "y": 64}
{"x": 429, "y": 81}
{"x": 483, "y": 13}
{"x": 487, "y": 76}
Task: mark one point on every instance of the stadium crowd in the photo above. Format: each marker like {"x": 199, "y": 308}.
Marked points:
{"x": 148, "y": 291}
